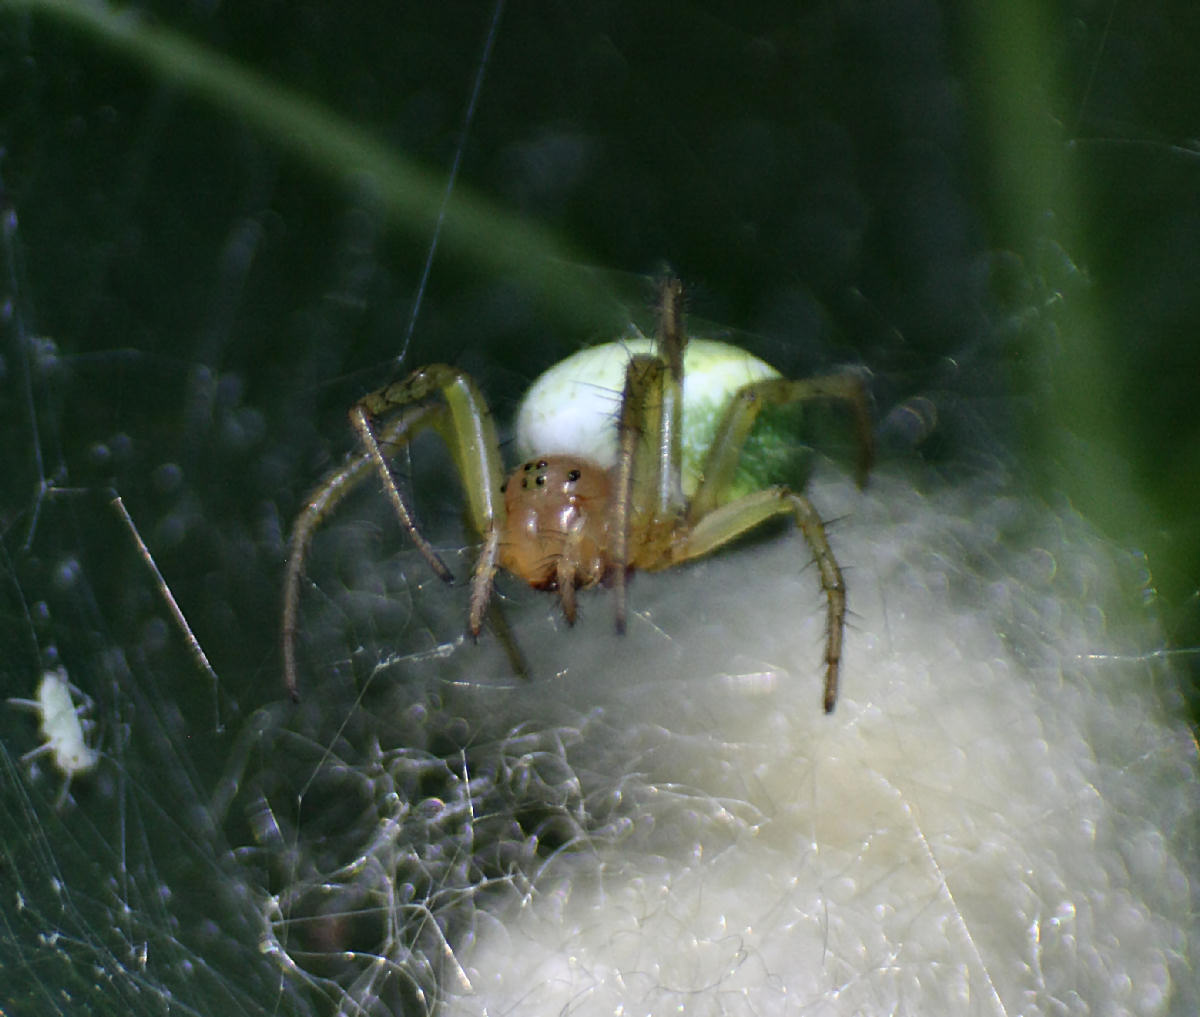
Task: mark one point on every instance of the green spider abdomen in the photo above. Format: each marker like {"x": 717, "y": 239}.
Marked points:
{"x": 573, "y": 407}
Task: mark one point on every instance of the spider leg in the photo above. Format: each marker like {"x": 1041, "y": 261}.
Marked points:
{"x": 465, "y": 424}
{"x": 668, "y": 453}
{"x": 726, "y": 450}
{"x": 637, "y": 467}
{"x": 483, "y": 580}
{"x": 735, "y": 518}
{"x": 437, "y": 396}
{"x": 366, "y": 433}
{"x": 327, "y": 495}
{"x": 503, "y": 632}
{"x": 649, "y": 483}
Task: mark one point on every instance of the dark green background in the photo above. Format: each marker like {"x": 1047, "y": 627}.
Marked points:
{"x": 995, "y": 208}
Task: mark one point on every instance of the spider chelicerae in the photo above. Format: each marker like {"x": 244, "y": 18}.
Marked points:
{"x": 626, "y": 491}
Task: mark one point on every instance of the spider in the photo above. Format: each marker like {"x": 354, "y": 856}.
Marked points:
{"x": 608, "y": 492}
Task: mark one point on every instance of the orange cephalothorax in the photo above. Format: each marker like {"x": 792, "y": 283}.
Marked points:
{"x": 557, "y": 527}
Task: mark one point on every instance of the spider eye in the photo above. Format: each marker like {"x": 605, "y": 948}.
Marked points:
{"x": 573, "y": 476}
{"x": 541, "y": 480}
{"x": 542, "y": 464}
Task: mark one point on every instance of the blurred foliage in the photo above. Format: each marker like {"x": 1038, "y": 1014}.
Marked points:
{"x": 961, "y": 198}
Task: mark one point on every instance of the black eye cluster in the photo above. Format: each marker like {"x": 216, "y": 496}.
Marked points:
{"x": 536, "y": 468}
{"x": 539, "y": 478}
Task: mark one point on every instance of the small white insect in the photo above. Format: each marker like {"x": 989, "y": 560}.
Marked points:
{"x": 63, "y": 725}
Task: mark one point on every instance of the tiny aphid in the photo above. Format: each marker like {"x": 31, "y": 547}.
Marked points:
{"x": 63, "y": 725}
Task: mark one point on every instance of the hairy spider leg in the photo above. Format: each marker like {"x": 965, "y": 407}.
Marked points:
{"x": 320, "y": 503}
{"x": 437, "y": 396}
{"x": 463, "y": 420}
{"x": 634, "y": 428}
{"x": 667, "y": 458}
{"x": 731, "y": 520}
{"x": 721, "y": 462}
{"x": 648, "y": 492}
{"x": 713, "y": 520}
